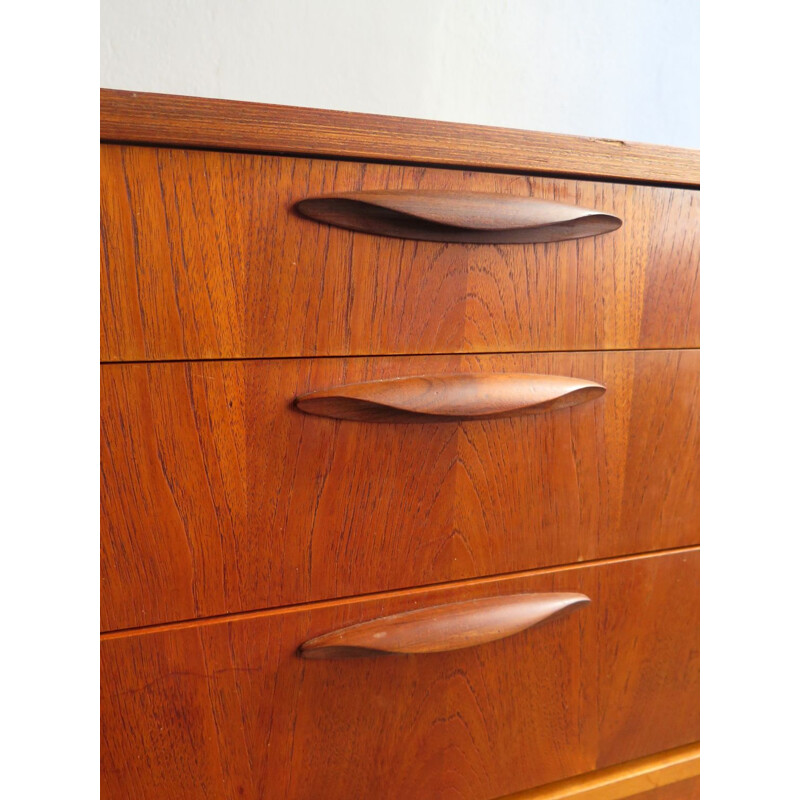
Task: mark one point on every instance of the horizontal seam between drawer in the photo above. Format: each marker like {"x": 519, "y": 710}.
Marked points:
{"x": 314, "y": 605}
{"x": 584, "y": 177}
{"x": 465, "y": 354}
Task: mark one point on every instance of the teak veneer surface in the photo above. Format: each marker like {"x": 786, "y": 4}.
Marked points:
{"x": 219, "y": 496}
{"x": 221, "y": 500}
{"x": 228, "y": 709}
{"x": 204, "y": 256}
{"x": 234, "y": 125}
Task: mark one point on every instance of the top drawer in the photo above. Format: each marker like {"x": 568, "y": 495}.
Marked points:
{"x": 205, "y": 256}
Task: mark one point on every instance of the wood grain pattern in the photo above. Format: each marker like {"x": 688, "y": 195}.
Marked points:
{"x": 220, "y": 499}
{"x": 438, "y": 629}
{"x": 217, "y": 496}
{"x": 228, "y": 709}
{"x": 640, "y": 779}
{"x": 439, "y": 398}
{"x": 476, "y": 217}
{"x": 204, "y": 257}
{"x": 232, "y": 125}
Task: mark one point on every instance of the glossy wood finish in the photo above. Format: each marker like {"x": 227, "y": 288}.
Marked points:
{"x": 203, "y": 256}
{"x": 218, "y": 496}
{"x": 676, "y": 768}
{"x": 228, "y": 709}
{"x": 232, "y": 125}
{"x": 476, "y": 217}
{"x": 439, "y": 398}
{"x": 223, "y": 504}
{"x": 439, "y": 629}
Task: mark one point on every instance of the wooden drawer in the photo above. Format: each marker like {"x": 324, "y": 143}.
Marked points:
{"x": 204, "y": 256}
{"x": 227, "y": 708}
{"x": 219, "y": 496}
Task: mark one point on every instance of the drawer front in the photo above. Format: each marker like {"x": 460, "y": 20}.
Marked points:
{"x": 219, "y": 496}
{"x": 204, "y": 256}
{"x": 229, "y": 709}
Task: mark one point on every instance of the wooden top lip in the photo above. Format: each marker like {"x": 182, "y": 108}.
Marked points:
{"x": 178, "y": 121}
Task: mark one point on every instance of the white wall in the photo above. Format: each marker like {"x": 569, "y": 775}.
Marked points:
{"x": 619, "y": 69}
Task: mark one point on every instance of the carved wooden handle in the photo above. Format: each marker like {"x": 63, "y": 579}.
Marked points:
{"x": 448, "y": 627}
{"x": 442, "y": 398}
{"x": 457, "y": 216}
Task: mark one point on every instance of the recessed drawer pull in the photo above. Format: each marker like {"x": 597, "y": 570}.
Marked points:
{"x": 443, "y": 398}
{"x": 477, "y": 217}
{"x": 448, "y": 627}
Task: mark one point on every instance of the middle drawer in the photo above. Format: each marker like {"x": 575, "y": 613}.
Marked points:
{"x": 219, "y": 495}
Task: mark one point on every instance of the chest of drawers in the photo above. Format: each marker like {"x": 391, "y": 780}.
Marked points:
{"x": 399, "y": 458}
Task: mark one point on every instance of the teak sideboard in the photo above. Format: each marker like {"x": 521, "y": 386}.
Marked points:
{"x": 400, "y": 463}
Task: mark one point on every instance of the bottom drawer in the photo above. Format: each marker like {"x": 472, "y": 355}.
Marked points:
{"x": 228, "y": 708}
